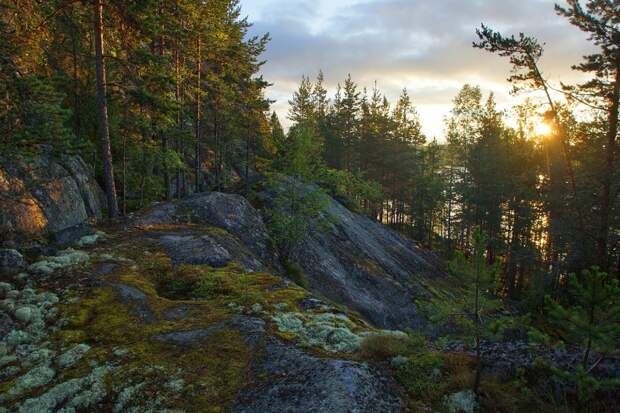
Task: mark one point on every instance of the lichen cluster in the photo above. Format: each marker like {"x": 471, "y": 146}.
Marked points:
{"x": 333, "y": 332}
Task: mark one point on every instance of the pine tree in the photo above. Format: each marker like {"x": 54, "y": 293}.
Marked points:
{"x": 302, "y": 108}
{"x": 277, "y": 133}
{"x": 591, "y": 322}
{"x": 108, "y": 169}
{"x": 603, "y": 93}
{"x": 474, "y": 309}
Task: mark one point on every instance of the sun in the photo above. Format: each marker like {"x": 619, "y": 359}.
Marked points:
{"x": 542, "y": 129}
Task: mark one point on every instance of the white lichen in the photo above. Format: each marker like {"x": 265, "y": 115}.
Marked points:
{"x": 256, "y": 308}
{"x": 72, "y": 356}
{"x": 461, "y": 402}
{"x": 78, "y": 393}
{"x": 90, "y": 239}
{"x": 66, "y": 258}
{"x": 330, "y": 331}
{"x": 398, "y": 361}
{"x": 36, "y": 377}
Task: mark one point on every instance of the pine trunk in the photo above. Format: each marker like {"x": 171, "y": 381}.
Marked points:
{"x": 198, "y": 115}
{"x": 104, "y": 133}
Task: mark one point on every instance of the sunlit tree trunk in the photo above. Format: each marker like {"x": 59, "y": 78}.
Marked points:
{"x": 104, "y": 132}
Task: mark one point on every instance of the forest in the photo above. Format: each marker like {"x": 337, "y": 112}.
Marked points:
{"x": 165, "y": 99}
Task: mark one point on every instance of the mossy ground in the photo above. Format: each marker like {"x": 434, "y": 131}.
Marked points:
{"x": 207, "y": 377}
{"x": 213, "y": 372}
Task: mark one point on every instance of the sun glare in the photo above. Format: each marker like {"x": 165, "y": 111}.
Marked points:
{"x": 542, "y": 129}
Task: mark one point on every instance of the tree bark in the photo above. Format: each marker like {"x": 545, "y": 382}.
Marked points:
{"x": 164, "y": 138}
{"x": 198, "y": 115}
{"x": 104, "y": 132}
{"x": 177, "y": 93}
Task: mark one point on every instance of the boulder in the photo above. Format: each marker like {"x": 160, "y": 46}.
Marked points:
{"x": 46, "y": 194}
{"x": 355, "y": 262}
{"x": 230, "y": 212}
{"x": 213, "y": 248}
{"x": 11, "y": 260}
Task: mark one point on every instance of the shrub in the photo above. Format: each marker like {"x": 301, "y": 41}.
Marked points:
{"x": 295, "y": 273}
{"x": 421, "y": 375}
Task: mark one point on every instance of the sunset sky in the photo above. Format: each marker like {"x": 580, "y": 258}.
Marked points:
{"x": 424, "y": 46}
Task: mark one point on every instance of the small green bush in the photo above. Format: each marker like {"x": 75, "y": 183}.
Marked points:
{"x": 295, "y": 273}
{"x": 421, "y": 375}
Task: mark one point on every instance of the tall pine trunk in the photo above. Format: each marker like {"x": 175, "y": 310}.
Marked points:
{"x": 164, "y": 138}
{"x": 104, "y": 132}
{"x": 177, "y": 93}
{"x": 198, "y": 115}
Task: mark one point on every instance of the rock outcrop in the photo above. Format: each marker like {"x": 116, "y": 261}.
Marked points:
{"x": 368, "y": 267}
{"x": 355, "y": 262}
{"x": 230, "y": 212}
{"x": 11, "y": 260}
{"x": 143, "y": 326}
{"x": 44, "y": 194}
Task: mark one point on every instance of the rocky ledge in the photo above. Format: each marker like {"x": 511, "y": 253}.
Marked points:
{"x": 354, "y": 262}
{"x": 130, "y": 321}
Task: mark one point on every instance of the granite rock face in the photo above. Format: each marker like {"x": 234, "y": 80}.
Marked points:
{"x": 46, "y": 194}
{"x": 230, "y": 212}
{"x": 355, "y": 262}
{"x": 11, "y": 260}
{"x": 368, "y": 267}
{"x": 307, "y": 383}
{"x": 214, "y": 249}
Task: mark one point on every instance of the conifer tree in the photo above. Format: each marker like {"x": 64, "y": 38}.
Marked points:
{"x": 104, "y": 131}
{"x": 302, "y": 104}
{"x": 599, "y": 19}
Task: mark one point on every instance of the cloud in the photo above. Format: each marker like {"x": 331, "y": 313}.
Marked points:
{"x": 419, "y": 44}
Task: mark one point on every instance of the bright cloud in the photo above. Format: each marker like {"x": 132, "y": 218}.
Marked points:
{"x": 422, "y": 45}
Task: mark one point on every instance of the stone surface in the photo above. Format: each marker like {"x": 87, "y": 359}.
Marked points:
{"x": 46, "y": 194}
{"x": 215, "y": 249}
{"x": 507, "y": 357}
{"x": 227, "y": 211}
{"x": 306, "y": 383}
{"x": 105, "y": 268}
{"x": 138, "y": 299}
{"x": 11, "y": 260}
{"x": 368, "y": 267}
{"x": 356, "y": 262}
{"x": 72, "y": 234}
{"x": 177, "y": 313}
{"x": 286, "y": 379}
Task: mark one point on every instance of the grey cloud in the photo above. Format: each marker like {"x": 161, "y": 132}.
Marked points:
{"x": 397, "y": 42}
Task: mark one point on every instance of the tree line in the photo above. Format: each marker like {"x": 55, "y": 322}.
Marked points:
{"x": 156, "y": 94}
{"x": 165, "y": 98}
{"x": 548, "y": 202}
